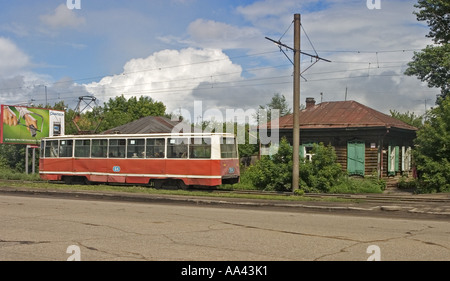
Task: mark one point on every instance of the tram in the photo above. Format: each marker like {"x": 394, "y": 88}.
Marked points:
{"x": 160, "y": 160}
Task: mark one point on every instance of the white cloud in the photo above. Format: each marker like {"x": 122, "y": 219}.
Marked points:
{"x": 169, "y": 76}
{"x": 12, "y": 59}
{"x": 62, "y": 17}
{"x": 213, "y": 34}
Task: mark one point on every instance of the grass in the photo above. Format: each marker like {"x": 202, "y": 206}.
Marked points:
{"x": 21, "y": 180}
{"x": 10, "y": 178}
{"x": 9, "y": 174}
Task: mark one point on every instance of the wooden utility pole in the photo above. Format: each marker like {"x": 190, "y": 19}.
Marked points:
{"x": 297, "y": 74}
{"x": 296, "y": 129}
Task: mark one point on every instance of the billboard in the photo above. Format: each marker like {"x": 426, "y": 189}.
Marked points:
{"x": 28, "y": 125}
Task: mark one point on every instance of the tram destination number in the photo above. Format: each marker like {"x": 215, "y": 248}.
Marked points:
{"x": 210, "y": 272}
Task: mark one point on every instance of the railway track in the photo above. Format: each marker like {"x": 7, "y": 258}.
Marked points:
{"x": 411, "y": 198}
{"x": 364, "y": 197}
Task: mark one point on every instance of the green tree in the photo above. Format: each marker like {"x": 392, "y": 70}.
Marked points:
{"x": 432, "y": 64}
{"x": 13, "y": 156}
{"x": 408, "y": 118}
{"x": 432, "y": 151}
{"x": 436, "y": 14}
{"x": 119, "y": 111}
{"x": 278, "y": 102}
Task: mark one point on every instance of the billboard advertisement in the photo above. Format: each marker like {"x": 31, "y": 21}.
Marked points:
{"x": 28, "y": 125}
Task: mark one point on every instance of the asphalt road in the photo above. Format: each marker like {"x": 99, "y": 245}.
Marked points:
{"x": 57, "y": 229}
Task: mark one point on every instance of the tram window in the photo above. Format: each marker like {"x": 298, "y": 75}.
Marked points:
{"x": 199, "y": 148}
{"x": 99, "y": 148}
{"x": 155, "y": 148}
{"x": 51, "y": 148}
{"x": 177, "y": 148}
{"x": 82, "y": 148}
{"x": 136, "y": 148}
{"x": 228, "y": 148}
{"x": 65, "y": 148}
{"x": 117, "y": 148}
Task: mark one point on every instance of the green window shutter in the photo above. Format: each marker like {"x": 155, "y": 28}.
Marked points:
{"x": 397, "y": 158}
{"x": 301, "y": 151}
{"x": 393, "y": 160}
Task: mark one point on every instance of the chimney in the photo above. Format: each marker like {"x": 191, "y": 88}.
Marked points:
{"x": 310, "y": 102}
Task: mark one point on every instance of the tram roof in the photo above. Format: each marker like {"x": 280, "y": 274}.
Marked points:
{"x": 127, "y": 136}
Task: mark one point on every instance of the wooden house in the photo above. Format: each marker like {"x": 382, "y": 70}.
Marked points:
{"x": 366, "y": 141}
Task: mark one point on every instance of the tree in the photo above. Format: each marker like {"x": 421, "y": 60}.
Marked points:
{"x": 436, "y": 13}
{"x": 119, "y": 111}
{"x": 432, "y": 64}
{"x": 408, "y": 118}
{"x": 278, "y": 102}
{"x": 432, "y": 151}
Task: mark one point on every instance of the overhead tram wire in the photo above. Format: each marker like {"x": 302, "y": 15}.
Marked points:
{"x": 250, "y": 55}
{"x": 240, "y": 83}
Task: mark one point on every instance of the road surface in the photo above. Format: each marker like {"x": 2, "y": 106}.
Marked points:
{"x": 56, "y": 229}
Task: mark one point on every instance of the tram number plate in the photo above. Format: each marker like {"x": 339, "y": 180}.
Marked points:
{"x": 231, "y": 170}
{"x": 116, "y": 169}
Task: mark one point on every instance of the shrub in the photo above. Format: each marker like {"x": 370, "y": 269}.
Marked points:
{"x": 322, "y": 172}
{"x": 275, "y": 172}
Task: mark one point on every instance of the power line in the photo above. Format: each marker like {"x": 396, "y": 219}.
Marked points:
{"x": 226, "y": 84}
{"x": 216, "y": 60}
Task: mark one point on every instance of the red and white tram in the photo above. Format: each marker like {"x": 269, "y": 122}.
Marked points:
{"x": 160, "y": 160}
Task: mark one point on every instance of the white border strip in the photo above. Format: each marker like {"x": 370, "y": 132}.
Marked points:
{"x": 132, "y": 175}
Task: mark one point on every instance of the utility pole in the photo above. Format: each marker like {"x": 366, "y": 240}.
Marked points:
{"x": 46, "y": 103}
{"x": 296, "y": 129}
{"x": 297, "y": 74}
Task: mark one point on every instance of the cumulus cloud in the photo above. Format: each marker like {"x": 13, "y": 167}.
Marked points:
{"x": 169, "y": 76}
{"x": 62, "y": 17}
{"x": 12, "y": 58}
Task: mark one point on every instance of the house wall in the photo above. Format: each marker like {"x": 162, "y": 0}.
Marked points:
{"x": 376, "y": 145}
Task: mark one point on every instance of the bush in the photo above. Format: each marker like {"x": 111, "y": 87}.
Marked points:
{"x": 275, "y": 172}
{"x": 359, "y": 185}
{"x": 432, "y": 150}
{"x": 322, "y": 172}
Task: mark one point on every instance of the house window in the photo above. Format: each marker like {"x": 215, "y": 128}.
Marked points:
{"x": 306, "y": 151}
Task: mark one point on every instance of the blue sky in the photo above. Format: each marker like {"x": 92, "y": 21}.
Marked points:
{"x": 181, "y": 51}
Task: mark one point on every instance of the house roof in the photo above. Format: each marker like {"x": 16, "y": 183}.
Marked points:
{"x": 145, "y": 125}
{"x": 341, "y": 114}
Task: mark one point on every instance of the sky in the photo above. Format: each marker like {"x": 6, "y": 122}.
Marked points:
{"x": 204, "y": 57}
